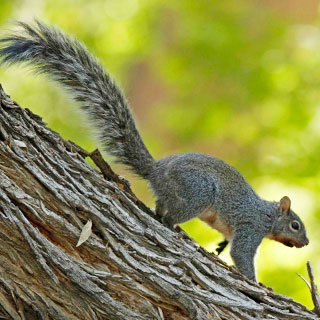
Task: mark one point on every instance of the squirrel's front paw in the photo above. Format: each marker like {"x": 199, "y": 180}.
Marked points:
{"x": 221, "y": 246}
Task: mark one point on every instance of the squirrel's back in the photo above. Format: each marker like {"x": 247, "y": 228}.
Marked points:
{"x": 184, "y": 170}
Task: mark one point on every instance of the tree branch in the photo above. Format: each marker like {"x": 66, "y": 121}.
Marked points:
{"x": 131, "y": 267}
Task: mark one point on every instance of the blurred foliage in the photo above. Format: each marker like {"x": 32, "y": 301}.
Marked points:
{"x": 238, "y": 79}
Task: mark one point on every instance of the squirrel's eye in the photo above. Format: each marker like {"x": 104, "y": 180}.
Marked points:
{"x": 295, "y": 225}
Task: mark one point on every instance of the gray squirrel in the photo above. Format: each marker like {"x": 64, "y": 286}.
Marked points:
{"x": 186, "y": 185}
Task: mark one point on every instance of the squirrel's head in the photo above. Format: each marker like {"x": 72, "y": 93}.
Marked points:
{"x": 288, "y": 227}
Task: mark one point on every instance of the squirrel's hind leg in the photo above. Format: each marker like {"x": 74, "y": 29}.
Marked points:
{"x": 185, "y": 195}
{"x": 181, "y": 210}
{"x": 160, "y": 208}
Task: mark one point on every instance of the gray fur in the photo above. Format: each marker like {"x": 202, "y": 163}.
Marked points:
{"x": 69, "y": 63}
{"x": 186, "y": 185}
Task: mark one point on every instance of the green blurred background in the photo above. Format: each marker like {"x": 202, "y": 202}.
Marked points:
{"x": 239, "y": 80}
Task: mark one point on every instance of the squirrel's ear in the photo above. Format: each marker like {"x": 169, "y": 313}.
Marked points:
{"x": 285, "y": 204}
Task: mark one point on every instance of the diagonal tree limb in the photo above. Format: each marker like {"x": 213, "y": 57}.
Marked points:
{"x": 131, "y": 267}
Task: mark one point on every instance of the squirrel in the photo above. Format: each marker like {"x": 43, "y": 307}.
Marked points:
{"x": 186, "y": 185}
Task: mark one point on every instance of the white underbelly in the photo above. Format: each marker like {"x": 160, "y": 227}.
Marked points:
{"x": 214, "y": 221}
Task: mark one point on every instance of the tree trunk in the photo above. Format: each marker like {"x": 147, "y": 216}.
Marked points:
{"x": 131, "y": 267}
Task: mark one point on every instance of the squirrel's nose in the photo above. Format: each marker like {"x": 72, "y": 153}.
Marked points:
{"x": 306, "y": 241}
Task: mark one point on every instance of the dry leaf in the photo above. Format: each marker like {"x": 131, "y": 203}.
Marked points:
{"x": 85, "y": 233}
{"x": 20, "y": 144}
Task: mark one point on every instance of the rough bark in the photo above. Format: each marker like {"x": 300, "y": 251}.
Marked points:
{"x": 132, "y": 267}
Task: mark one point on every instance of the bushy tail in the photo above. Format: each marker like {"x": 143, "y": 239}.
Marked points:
{"x": 68, "y": 62}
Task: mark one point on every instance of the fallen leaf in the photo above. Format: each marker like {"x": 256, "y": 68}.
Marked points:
{"x": 85, "y": 233}
{"x": 20, "y": 144}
